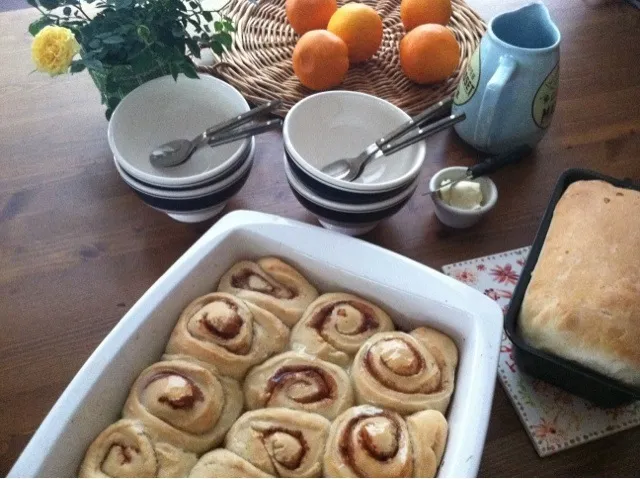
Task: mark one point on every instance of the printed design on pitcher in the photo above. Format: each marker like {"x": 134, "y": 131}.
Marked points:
{"x": 544, "y": 103}
{"x": 470, "y": 79}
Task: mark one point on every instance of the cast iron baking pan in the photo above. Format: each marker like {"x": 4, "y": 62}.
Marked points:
{"x": 572, "y": 377}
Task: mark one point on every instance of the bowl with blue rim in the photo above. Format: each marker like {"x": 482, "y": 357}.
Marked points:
{"x": 332, "y": 125}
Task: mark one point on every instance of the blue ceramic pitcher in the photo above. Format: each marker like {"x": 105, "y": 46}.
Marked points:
{"x": 508, "y": 90}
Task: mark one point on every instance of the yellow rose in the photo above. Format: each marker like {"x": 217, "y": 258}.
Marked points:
{"x": 53, "y": 49}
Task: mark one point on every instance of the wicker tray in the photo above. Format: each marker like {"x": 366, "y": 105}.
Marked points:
{"x": 259, "y": 65}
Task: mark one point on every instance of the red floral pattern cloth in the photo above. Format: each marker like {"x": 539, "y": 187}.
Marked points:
{"x": 554, "y": 419}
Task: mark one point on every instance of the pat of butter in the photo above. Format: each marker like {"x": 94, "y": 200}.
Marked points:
{"x": 464, "y": 194}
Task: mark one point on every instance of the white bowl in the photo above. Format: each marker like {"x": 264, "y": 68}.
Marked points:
{"x": 195, "y": 205}
{"x": 347, "y": 218}
{"x": 457, "y": 217}
{"x": 412, "y": 293}
{"x": 303, "y": 190}
{"x": 340, "y": 124}
{"x": 194, "y": 192}
{"x": 162, "y": 110}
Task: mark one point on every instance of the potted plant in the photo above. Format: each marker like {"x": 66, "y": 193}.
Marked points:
{"x": 124, "y": 43}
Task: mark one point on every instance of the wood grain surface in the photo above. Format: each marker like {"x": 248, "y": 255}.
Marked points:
{"x": 77, "y": 248}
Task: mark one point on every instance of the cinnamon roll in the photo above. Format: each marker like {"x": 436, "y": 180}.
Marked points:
{"x": 280, "y": 441}
{"x": 124, "y": 449}
{"x": 184, "y": 402}
{"x": 299, "y": 381}
{"x": 272, "y": 285}
{"x": 223, "y": 463}
{"x": 335, "y": 325}
{"x": 367, "y": 441}
{"x": 428, "y": 432}
{"x": 223, "y": 330}
{"x": 406, "y": 372}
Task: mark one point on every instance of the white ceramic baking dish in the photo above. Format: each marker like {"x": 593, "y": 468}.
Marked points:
{"x": 411, "y": 292}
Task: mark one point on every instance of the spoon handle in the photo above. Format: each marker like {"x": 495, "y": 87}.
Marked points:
{"x": 494, "y": 163}
{"x": 243, "y": 118}
{"x": 422, "y": 133}
{"x": 233, "y": 135}
{"x": 432, "y": 112}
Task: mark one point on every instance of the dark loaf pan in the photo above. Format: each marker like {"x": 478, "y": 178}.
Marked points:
{"x": 571, "y": 376}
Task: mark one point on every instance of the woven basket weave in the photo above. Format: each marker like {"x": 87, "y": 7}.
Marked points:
{"x": 259, "y": 65}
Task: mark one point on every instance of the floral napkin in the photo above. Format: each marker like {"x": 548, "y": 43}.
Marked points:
{"x": 554, "y": 419}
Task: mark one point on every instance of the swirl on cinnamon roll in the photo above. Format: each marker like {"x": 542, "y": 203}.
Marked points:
{"x": 228, "y": 332}
{"x": 223, "y": 463}
{"x": 280, "y": 441}
{"x": 396, "y": 370}
{"x": 271, "y": 284}
{"x": 335, "y": 325}
{"x": 124, "y": 449}
{"x": 184, "y": 402}
{"x": 367, "y": 441}
{"x": 299, "y": 381}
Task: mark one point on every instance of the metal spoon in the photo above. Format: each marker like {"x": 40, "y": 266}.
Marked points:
{"x": 177, "y": 152}
{"x": 348, "y": 169}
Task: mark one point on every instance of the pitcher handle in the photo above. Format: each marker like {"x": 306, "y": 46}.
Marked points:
{"x": 506, "y": 66}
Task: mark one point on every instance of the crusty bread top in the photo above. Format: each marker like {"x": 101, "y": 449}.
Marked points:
{"x": 583, "y": 301}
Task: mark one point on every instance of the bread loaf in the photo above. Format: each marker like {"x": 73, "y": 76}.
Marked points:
{"x": 583, "y": 301}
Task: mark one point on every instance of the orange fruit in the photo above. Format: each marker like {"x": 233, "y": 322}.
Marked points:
{"x": 429, "y": 54}
{"x": 419, "y": 12}
{"x": 307, "y": 15}
{"x": 320, "y": 60}
{"x": 360, "y": 27}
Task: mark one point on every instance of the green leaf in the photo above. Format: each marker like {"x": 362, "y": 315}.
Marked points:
{"x": 219, "y": 26}
{"x": 67, "y": 11}
{"x": 33, "y": 3}
{"x": 49, "y": 4}
{"x": 207, "y": 16}
{"x": 229, "y": 26}
{"x": 76, "y": 66}
{"x": 113, "y": 40}
{"x": 189, "y": 70}
{"x": 112, "y": 102}
{"x": 92, "y": 63}
{"x": 195, "y": 24}
{"x": 39, "y": 24}
{"x": 217, "y": 48}
{"x": 95, "y": 44}
{"x": 225, "y": 39}
{"x": 174, "y": 70}
{"x": 193, "y": 46}
{"x": 123, "y": 3}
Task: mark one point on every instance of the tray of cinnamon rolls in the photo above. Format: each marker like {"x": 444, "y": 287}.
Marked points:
{"x": 277, "y": 349}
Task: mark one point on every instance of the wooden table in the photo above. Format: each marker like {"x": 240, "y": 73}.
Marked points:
{"x": 77, "y": 248}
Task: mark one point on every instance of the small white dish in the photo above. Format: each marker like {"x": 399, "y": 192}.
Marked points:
{"x": 457, "y": 217}
{"x": 162, "y": 110}
{"x": 331, "y": 125}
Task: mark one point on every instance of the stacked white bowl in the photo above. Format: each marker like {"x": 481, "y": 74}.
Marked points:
{"x": 340, "y": 124}
{"x": 162, "y": 110}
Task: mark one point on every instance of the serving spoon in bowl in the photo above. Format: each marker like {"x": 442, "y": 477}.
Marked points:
{"x": 177, "y": 152}
{"x": 348, "y": 169}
